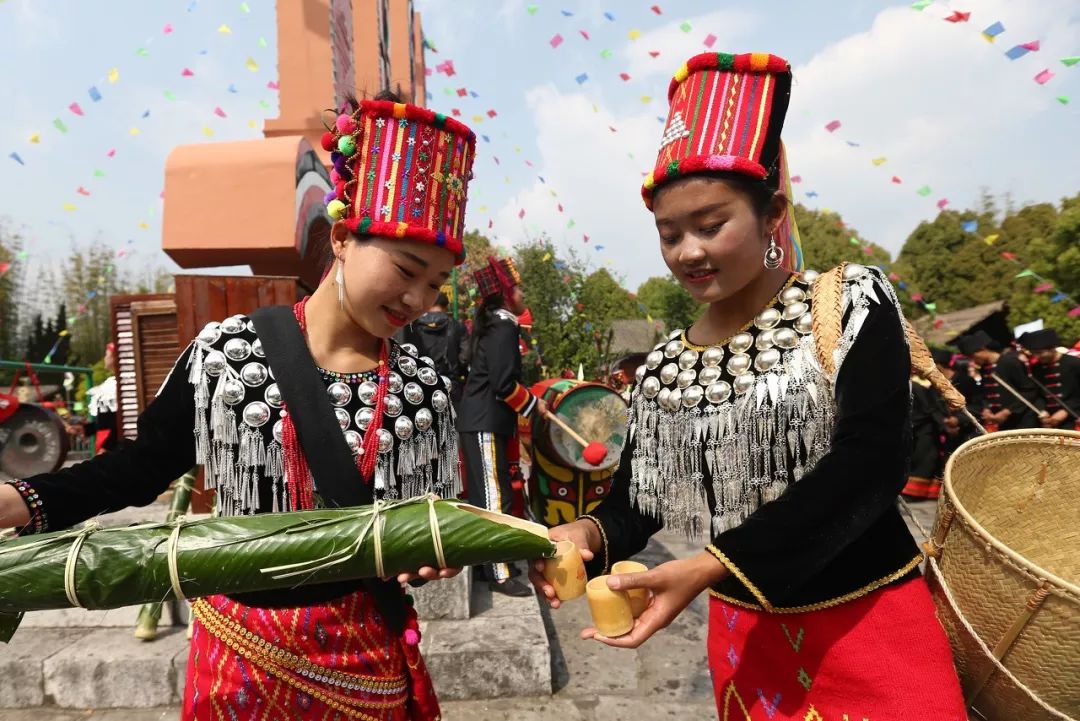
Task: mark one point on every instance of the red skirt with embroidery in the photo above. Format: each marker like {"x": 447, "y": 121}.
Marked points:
{"x": 325, "y": 662}
{"x": 882, "y": 657}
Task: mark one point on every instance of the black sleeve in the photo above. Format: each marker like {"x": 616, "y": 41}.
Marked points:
{"x": 136, "y": 472}
{"x": 924, "y": 446}
{"x": 503, "y": 357}
{"x": 787, "y": 542}
{"x": 455, "y": 350}
{"x": 626, "y": 529}
{"x": 1011, "y": 370}
{"x": 466, "y": 348}
{"x": 1069, "y": 390}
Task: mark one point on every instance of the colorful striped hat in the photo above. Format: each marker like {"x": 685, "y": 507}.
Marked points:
{"x": 726, "y": 114}
{"x": 400, "y": 171}
{"x": 500, "y": 275}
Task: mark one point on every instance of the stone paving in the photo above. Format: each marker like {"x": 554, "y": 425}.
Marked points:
{"x": 665, "y": 679}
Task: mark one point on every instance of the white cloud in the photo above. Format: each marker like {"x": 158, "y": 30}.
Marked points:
{"x": 598, "y": 182}
{"x": 944, "y": 107}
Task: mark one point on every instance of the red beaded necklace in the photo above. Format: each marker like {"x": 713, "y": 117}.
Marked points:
{"x": 296, "y": 468}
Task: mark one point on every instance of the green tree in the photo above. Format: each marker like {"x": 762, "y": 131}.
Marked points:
{"x": 11, "y": 276}
{"x": 828, "y": 241}
{"x": 1053, "y": 252}
{"x": 956, "y": 269}
{"x": 85, "y": 281}
{"x": 60, "y": 345}
{"x": 38, "y": 340}
{"x": 552, "y": 286}
{"x": 153, "y": 280}
{"x": 601, "y": 301}
{"x": 666, "y": 299}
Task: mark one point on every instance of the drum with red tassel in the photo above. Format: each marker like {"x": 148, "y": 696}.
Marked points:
{"x": 569, "y": 478}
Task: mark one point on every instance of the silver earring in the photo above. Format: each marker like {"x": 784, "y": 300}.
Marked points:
{"x": 339, "y": 278}
{"x": 774, "y": 254}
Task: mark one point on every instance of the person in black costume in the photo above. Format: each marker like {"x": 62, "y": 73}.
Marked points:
{"x": 494, "y": 397}
{"x": 936, "y": 432}
{"x": 1059, "y": 376}
{"x": 1002, "y": 409}
{"x": 223, "y": 406}
{"x": 443, "y": 339}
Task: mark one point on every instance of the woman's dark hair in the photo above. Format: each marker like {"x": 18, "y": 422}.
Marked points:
{"x": 352, "y": 103}
{"x": 760, "y": 192}
{"x": 483, "y": 318}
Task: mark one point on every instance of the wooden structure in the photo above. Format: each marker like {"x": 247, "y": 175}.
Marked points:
{"x": 201, "y": 299}
{"x": 943, "y": 329}
{"x": 144, "y": 330}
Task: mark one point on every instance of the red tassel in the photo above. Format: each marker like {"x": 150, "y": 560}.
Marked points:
{"x": 296, "y": 469}
{"x": 371, "y": 437}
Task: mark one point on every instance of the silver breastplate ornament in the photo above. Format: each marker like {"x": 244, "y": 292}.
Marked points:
{"x": 732, "y": 425}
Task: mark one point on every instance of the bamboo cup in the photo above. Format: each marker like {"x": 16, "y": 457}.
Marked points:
{"x": 566, "y": 571}
{"x": 610, "y": 609}
{"x": 639, "y": 597}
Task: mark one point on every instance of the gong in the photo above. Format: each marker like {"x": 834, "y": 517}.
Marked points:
{"x": 34, "y": 440}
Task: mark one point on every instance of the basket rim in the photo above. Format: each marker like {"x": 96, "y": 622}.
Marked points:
{"x": 1043, "y": 435}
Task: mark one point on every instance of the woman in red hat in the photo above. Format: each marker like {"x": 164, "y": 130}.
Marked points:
{"x": 234, "y": 403}
{"x": 783, "y": 410}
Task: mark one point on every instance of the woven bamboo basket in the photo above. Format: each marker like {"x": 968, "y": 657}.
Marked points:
{"x": 1003, "y": 569}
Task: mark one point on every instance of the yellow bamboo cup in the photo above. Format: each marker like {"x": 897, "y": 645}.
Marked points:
{"x": 610, "y": 609}
{"x": 639, "y": 597}
{"x": 566, "y": 571}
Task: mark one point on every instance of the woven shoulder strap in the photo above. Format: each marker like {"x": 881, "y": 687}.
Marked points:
{"x": 828, "y": 299}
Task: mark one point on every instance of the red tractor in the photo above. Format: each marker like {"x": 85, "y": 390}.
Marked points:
{"x": 33, "y": 438}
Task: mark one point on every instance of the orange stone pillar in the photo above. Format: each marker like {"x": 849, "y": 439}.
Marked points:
{"x": 259, "y": 202}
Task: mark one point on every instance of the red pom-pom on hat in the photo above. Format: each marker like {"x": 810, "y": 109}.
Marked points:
{"x": 328, "y": 142}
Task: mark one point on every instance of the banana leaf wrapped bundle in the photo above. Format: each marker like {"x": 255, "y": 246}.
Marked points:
{"x": 100, "y": 568}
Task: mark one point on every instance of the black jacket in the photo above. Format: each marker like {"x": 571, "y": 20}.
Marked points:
{"x": 494, "y": 395}
{"x": 1063, "y": 380}
{"x": 443, "y": 339}
{"x": 928, "y": 413}
{"x": 1011, "y": 369}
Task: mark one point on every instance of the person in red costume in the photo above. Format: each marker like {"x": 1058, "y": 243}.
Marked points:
{"x": 345, "y": 649}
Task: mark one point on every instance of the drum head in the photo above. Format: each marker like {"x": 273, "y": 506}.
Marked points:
{"x": 34, "y": 441}
{"x": 595, "y": 411}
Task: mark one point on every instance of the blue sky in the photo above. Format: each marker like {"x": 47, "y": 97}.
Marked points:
{"x": 940, "y": 104}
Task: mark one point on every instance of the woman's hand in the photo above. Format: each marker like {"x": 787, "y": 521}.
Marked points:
{"x": 673, "y": 584}
{"x": 13, "y": 510}
{"x": 585, "y": 535}
{"x": 427, "y": 573}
